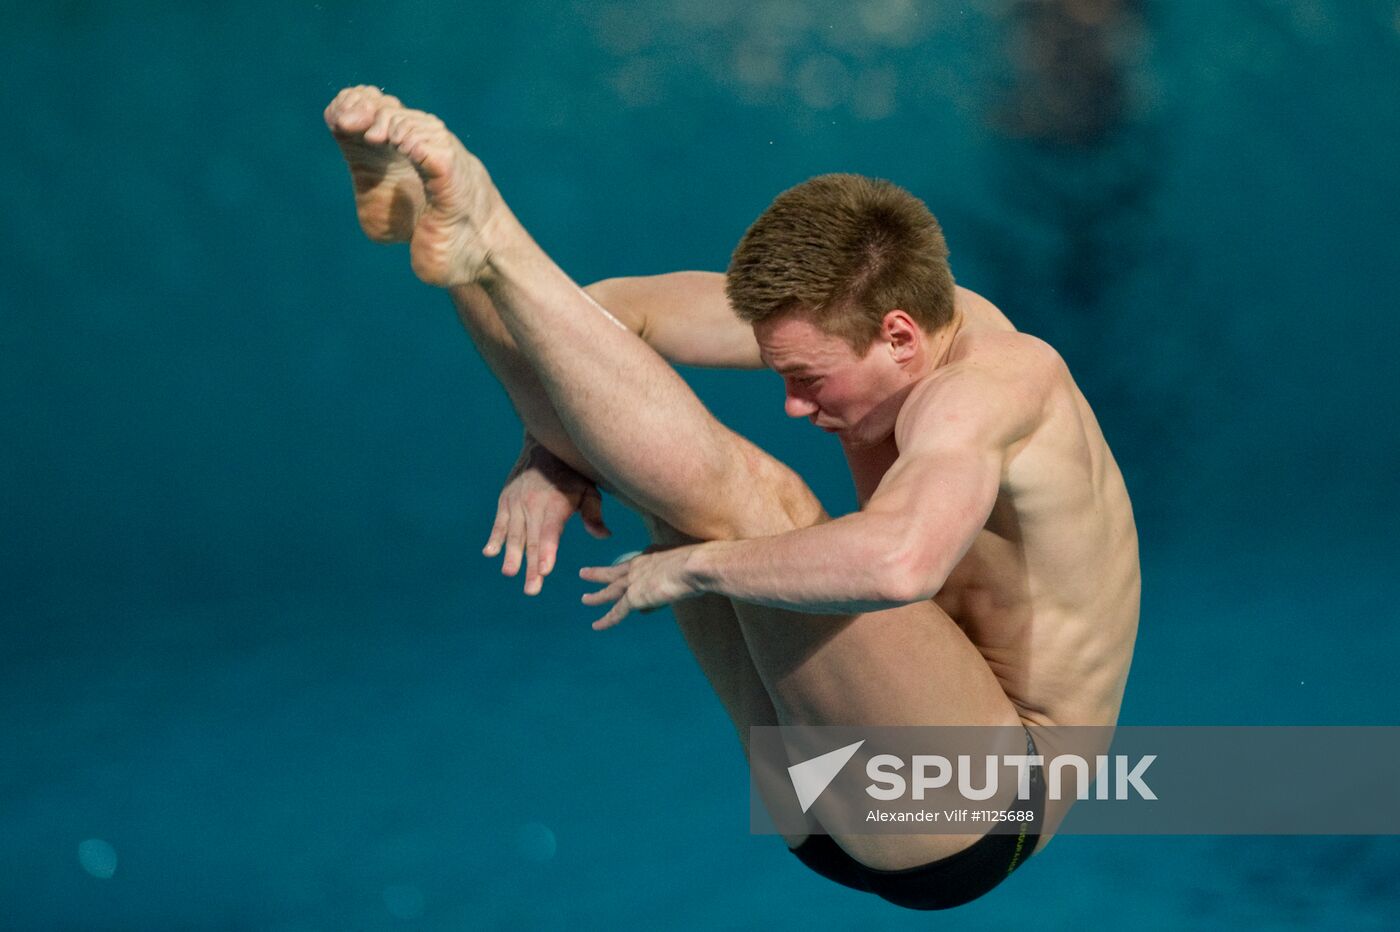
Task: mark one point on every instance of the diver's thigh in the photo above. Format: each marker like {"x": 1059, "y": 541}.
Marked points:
{"x": 909, "y": 665}
{"x": 711, "y": 631}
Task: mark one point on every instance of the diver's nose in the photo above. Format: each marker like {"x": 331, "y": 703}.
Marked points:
{"x": 798, "y": 407}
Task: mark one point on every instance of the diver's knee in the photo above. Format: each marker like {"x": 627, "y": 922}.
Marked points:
{"x": 753, "y": 495}
{"x": 794, "y": 504}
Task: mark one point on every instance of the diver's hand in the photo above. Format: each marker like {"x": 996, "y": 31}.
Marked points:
{"x": 541, "y": 493}
{"x": 643, "y": 583}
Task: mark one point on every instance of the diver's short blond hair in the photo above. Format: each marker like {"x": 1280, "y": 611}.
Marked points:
{"x": 848, "y": 250}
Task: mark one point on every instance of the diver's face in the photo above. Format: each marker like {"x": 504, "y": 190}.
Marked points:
{"x": 839, "y": 390}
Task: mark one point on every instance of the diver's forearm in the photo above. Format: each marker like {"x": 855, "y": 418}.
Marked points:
{"x": 839, "y": 567}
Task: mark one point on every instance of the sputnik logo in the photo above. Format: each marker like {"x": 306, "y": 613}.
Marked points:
{"x": 811, "y": 777}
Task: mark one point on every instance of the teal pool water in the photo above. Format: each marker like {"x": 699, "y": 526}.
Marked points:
{"x": 255, "y": 674}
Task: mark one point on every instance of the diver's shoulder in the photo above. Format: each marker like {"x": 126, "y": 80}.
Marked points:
{"x": 986, "y": 329}
{"x": 1009, "y": 354}
{"x": 978, "y": 312}
{"x": 996, "y": 386}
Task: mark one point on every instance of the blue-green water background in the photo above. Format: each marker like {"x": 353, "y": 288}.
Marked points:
{"x": 247, "y": 461}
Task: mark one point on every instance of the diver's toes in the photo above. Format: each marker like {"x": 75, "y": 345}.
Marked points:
{"x": 378, "y": 130}
{"x": 397, "y": 127}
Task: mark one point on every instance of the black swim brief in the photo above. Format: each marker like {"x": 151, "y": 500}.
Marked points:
{"x": 947, "y": 882}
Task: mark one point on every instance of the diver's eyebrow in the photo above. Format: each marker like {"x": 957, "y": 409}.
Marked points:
{"x": 795, "y": 369}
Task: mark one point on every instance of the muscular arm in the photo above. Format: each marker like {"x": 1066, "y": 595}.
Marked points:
{"x": 953, "y": 436}
{"x": 900, "y": 549}
{"x": 684, "y": 316}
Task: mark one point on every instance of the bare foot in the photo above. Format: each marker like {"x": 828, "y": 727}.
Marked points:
{"x": 388, "y": 192}
{"x": 451, "y": 238}
{"x": 464, "y": 217}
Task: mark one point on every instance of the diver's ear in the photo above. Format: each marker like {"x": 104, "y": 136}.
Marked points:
{"x": 903, "y": 337}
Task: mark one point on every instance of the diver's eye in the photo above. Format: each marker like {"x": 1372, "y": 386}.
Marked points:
{"x": 807, "y": 381}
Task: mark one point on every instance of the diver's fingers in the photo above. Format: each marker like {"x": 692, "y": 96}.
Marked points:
{"x": 498, "y": 529}
{"x": 618, "y": 612}
{"x": 611, "y": 594}
{"x": 515, "y": 541}
{"x": 534, "y": 579}
{"x": 551, "y": 529}
{"x": 536, "y": 533}
{"x": 603, "y": 574}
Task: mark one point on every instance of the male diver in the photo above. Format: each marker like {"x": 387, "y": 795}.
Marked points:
{"x": 990, "y": 575}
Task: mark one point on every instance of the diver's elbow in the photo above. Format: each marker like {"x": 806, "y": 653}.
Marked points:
{"x": 908, "y": 576}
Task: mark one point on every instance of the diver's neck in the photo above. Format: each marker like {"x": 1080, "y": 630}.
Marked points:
{"x": 942, "y": 349}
